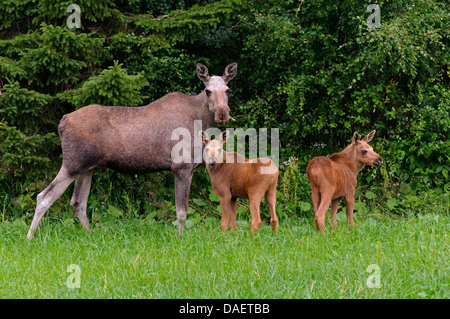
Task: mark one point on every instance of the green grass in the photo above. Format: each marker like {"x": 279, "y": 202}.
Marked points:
{"x": 131, "y": 258}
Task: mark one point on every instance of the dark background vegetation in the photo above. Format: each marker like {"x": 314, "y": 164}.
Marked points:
{"x": 313, "y": 69}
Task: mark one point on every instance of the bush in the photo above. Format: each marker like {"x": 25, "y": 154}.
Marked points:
{"x": 315, "y": 70}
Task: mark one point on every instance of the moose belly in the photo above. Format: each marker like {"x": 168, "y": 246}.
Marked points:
{"x": 239, "y": 193}
{"x": 140, "y": 163}
{"x": 338, "y": 195}
{"x": 143, "y": 168}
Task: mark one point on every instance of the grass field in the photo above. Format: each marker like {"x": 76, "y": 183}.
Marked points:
{"x": 131, "y": 258}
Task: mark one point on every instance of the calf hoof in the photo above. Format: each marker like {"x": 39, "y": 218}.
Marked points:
{"x": 274, "y": 224}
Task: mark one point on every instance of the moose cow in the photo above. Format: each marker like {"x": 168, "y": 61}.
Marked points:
{"x": 334, "y": 177}
{"x": 134, "y": 140}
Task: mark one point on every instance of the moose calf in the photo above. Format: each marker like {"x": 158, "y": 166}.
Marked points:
{"x": 233, "y": 176}
{"x": 334, "y": 177}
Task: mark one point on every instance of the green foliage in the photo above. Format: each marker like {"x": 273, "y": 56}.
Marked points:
{"x": 170, "y": 72}
{"x": 60, "y": 58}
{"x": 20, "y": 16}
{"x": 112, "y": 87}
{"x": 24, "y": 152}
{"x": 140, "y": 259}
{"x": 23, "y": 156}
{"x": 313, "y": 69}
{"x": 186, "y": 26}
{"x": 317, "y": 72}
{"x": 23, "y": 107}
{"x": 294, "y": 198}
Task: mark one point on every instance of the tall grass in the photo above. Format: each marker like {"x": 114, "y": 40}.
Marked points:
{"x": 141, "y": 258}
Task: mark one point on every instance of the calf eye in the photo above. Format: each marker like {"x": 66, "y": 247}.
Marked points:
{"x": 363, "y": 152}
{"x": 228, "y": 91}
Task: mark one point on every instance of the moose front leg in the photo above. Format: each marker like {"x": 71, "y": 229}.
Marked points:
{"x": 226, "y": 208}
{"x": 183, "y": 180}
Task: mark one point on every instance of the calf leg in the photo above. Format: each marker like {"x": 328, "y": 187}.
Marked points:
{"x": 315, "y": 197}
{"x": 255, "y": 202}
{"x": 334, "y": 209}
{"x": 271, "y": 201}
{"x": 349, "y": 204}
{"x": 80, "y": 197}
{"x": 48, "y": 196}
{"x": 321, "y": 211}
{"x": 233, "y": 212}
{"x": 183, "y": 180}
{"x": 225, "y": 207}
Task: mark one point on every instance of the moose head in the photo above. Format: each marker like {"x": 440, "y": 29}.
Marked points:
{"x": 217, "y": 91}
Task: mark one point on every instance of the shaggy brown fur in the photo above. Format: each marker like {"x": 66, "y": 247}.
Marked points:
{"x": 233, "y": 176}
{"x": 334, "y": 177}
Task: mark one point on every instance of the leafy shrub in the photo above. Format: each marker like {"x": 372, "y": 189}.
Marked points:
{"x": 112, "y": 87}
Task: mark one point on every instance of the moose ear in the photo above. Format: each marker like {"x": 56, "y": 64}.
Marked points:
{"x": 369, "y": 137}
{"x": 356, "y": 137}
{"x": 230, "y": 72}
{"x": 204, "y": 137}
{"x": 202, "y": 73}
{"x": 224, "y": 136}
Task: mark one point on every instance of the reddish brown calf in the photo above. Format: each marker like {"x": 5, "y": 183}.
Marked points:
{"x": 233, "y": 176}
{"x": 334, "y": 177}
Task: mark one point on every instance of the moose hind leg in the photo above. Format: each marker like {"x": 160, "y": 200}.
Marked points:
{"x": 80, "y": 197}
{"x": 271, "y": 201}
{"x": 334, "y": 209}
{"x": 319, "y": 220}
{"x": 48, "y": 196}
{"x": 255, "y": 202}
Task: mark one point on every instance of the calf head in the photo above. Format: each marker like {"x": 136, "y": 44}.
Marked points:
{"x": 217, "y": 91}
{"x": 364, "y": 153}
{"x": 213, "y": 152}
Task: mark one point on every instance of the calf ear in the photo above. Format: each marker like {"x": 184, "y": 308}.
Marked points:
{"x": 203, "y": 73}
{"x": 356, "y": 137}
{"x": 369, "y": 137}
{"x": 224, "y": 136}
{"x": 230, "y": 72}
{"x": 204, "y": 137}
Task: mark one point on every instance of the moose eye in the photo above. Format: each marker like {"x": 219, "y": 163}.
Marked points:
{"x": 363, "y": 152}
{"x": 208, "y": 93}
{"x": 228, "y": 91}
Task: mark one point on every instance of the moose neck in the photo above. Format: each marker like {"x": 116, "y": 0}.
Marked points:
{"x": 349, "y": 154}
{"x": 218, "y": 166}
{"x": 214, "y": 169}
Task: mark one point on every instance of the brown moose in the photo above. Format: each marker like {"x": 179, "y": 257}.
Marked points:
{"x": 334, "y": 177}
{"x": 134, "y": 140}
{"x": 233, "y": 176}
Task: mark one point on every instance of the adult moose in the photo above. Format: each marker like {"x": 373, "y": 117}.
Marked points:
{"x": 334, "y": 177}
{"x": 134, "y": 140}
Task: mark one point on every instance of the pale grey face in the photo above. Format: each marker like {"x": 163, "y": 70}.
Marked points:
{"x": 217, "y": 91}
{"x": 217, "y": 94}
{"x": 213, "y": 152}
